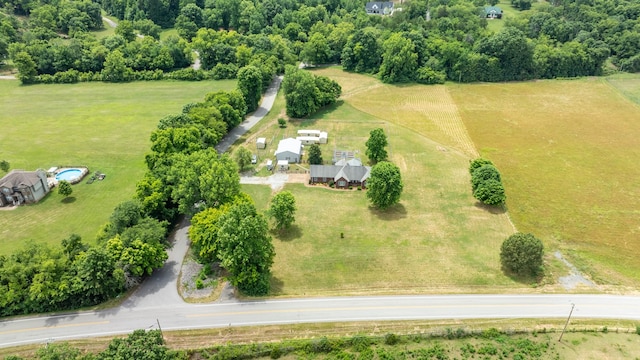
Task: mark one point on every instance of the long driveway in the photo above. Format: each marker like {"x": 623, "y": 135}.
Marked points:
{"x": 188, "y": 316}
{"x": 266, "y": 104}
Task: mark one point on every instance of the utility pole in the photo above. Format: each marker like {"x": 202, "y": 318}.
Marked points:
{"x": 159, "y": 328}
{"x": 567, "y": 323}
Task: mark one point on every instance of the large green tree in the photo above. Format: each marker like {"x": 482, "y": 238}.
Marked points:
{"x": 385, "y": 185}
{"x": 522, "y": 254}
{"x": 203, "y": 179}
{"x": 245, "y": 249}
{"x": 399, "y": 60}
{"x": 315, "y": 155}
{"x": 316, "y": 50}
{"x": 283, "y": 209}
{"x": 115, "y": 69}
{"x": 250, "y": 84}
{"x": 26, "y": 67}
{"x": 305, "y": 93}
{"x": 242, "y": 157}
{"x": 376, "y": 146}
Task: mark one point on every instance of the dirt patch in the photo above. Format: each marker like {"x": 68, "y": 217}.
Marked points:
{"x": 575, "y": 278}
{"x": 298, "y": 178}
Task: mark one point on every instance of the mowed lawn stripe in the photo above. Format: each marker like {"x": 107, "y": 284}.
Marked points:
{"x": 568, "y": 152}
{"x": 103, "y": 126}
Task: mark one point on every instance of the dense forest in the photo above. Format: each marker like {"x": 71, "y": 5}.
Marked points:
{"x": 428, "y": 41}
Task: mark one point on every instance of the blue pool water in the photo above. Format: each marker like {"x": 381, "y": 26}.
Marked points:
{"x": 69, "y": 175}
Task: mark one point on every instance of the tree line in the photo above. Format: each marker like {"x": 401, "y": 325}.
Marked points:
{"x": 555, "y": 39}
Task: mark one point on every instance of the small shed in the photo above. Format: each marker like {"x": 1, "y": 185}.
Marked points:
{"x": 269, "y": 165}
{"x": 283, "y": 165}
{"x": 261, "y": 143}
{"x": 323, "y": 137}
{"x": 308, "y": 140}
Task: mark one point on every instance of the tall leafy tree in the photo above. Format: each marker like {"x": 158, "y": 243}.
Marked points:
{"x": 385, "y": 185}
{"x": 315, "y": 155}
{"x": 316, "y": 50}
{"x": 399, "y": 60}
{"x": 305, "y": 93}
{"x": 26, "y": 67}
{"x": 246, "y": 250}
{"x": 250, "y": 84}
{"x": 376, "y": 145}
{"x": 98, "y": 279}
{"x": 203, "y": 179}
{"x": 243, "y": 157}
{"x": 283, "y": 209}
{"x": 513, "y": 50}
{"x": 115, "y": 69}
{"x": 522, "y": 254}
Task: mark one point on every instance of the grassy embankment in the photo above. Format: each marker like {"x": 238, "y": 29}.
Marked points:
{"x": 103, "y": 126}
{"x": 568, "y": 153}
{"x": 583, "y": 340}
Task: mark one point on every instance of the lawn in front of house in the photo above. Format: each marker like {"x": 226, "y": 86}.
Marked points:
{"x": 103, "y": 126}
{"x": 568, "y": 152}
{"x": 437, "y": 239}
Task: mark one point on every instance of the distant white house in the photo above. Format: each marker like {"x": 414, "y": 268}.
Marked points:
{"x": 379, "y": 8}
{"x": 289, "y": 149}
{"x": 261, "y": 143}
{"x": 308, "y": 140}
{"x": 323, "y": 137}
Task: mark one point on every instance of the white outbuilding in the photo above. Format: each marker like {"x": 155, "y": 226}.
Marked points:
{"x": 261, "y": 143}
{"x": 283, "y": 165}
{"x": 307, "y": 132}
{"x": 289, "y": 149}
{"x": 308, "y": 140}
{"x": 323, "y": 137}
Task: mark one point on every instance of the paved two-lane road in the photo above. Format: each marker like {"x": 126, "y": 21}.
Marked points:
{"x": 188, "y": 316}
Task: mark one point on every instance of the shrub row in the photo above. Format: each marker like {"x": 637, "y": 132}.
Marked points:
{"x": 219, "y": 72}
{"x": 486, "y": 182}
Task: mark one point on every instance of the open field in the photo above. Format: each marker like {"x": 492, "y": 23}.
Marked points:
{"x": 568, "y": 153}
{"x": 436, "y": 239}
{"x": 103, "y": 126}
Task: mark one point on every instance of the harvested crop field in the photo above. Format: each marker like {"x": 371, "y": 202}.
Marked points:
{"x": 568, "y": 152}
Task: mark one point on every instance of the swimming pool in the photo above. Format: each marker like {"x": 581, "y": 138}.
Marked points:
{"x": 72, "y": 175}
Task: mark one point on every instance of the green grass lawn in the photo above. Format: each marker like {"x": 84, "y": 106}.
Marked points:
{"x": 103, "y": 126}
{"x": 568, "y": 154}
{"x": 437, "y": 239}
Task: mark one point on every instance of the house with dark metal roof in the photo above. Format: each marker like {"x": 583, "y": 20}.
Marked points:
{"x": 342, "y": 176}
{"x": 19, "y": 186}
{"x": 379, "y": 7}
